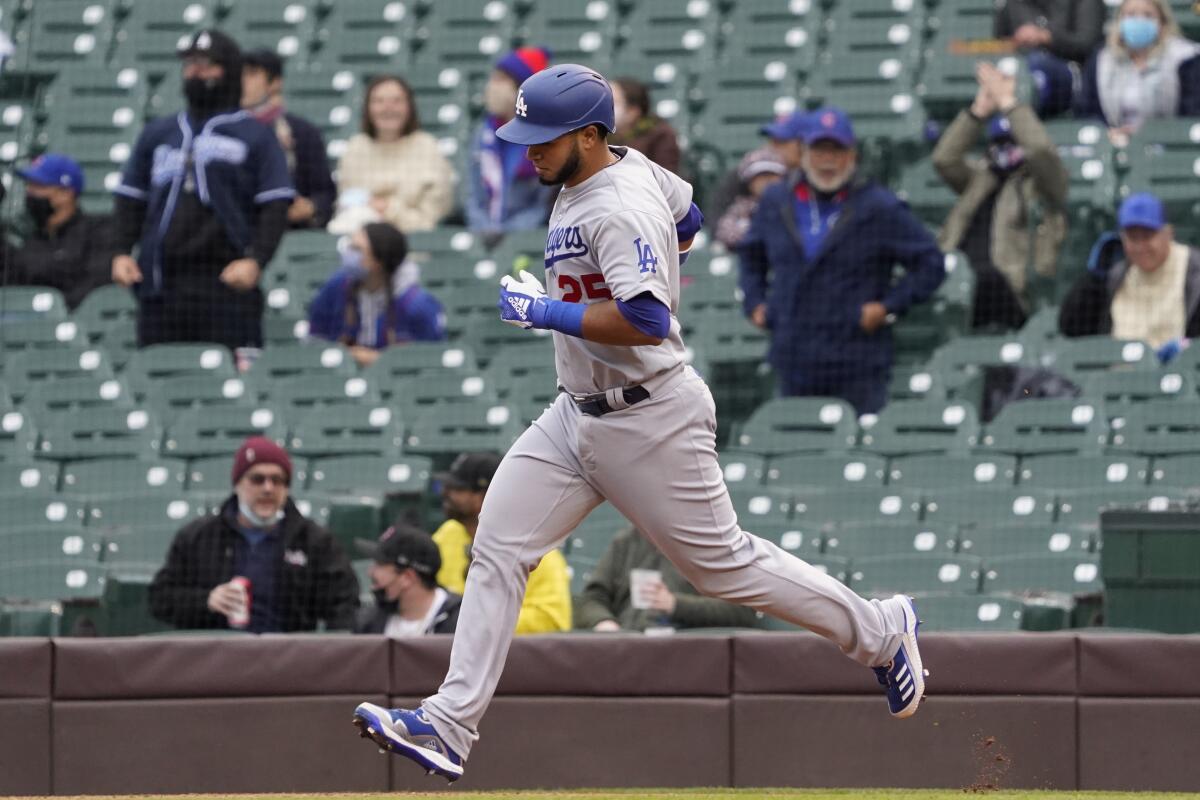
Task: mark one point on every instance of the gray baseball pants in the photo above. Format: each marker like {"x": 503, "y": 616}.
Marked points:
{"x": 656, "y": 462}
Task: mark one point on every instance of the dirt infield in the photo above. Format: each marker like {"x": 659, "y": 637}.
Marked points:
{"x": 676, "y": 794}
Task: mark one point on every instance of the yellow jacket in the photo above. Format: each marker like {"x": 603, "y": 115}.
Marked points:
{"x": 547, "y": 605}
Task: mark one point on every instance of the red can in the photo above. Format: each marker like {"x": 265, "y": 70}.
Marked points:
{"x": 241, "y": 617}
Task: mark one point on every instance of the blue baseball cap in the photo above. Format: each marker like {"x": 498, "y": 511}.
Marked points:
{"x": 999, "y": 128}
{"x": 788, "y": 126}
{"x": 54, "y": 169}
{"x": 1142, "y": 210}
{"x": 833, "y": 124}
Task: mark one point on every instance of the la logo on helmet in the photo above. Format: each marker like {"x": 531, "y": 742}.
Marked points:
{"x": 521, "y": 107}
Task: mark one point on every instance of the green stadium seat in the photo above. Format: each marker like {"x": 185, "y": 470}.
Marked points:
{"x": 799, "y": 424}
{"x": 303, "y": 395}
{"x": 158, "y": 361}
{"x": 1041, "y": 427}
{"x": 992, "y": 541}
{"x": 346, "y": 516}
{"x": 41, "y": 335}
{"x": 667, "y": 31}
{"x": 991, "y": 506}
{"x": 441, "y": 94}
{"x": 438, "y": 390}
{"x": 1040, "y": 330}
{"x": 166, "y": 511}
{"x": 910, "y": 427}
{"x": 40, "y": 510}
{"x": 755, "y": 504}
{"x": 103, "y": 432}
{"x": 419, "y": 359}
{"x": 785, "y": 31}
{"x": 932, "y": 472}
{"x": 55, "y": 579}
{"x": 220, "y": 431}
{"x": 105, "y": 305}
{"x": 742, "y": 468}
{"x": 61, "y": 34}
{"x": 579, "y": 31}
{"x": 915, "y": 382}
{"x": 489, "y": 337}
{"x": 1064, "y": 472}
{"x": 860, "y": 504}
{"x": 1114, "y": 389}
{"x": 468, "y": 48}
{"x": 968, "y": 357}
{"x": 1182, "y": 472}
{"x": 119, "y": 339}
{"x": 27, "y": 477}
{"x": 1082, "y": 507}
{"x": 313, "y": 358}
{"x": 24, "y": 618}
{"x": 366, "y": 35}
{"x": 32, "y": 370}
{"x": 1158, "y": 429}
{"x": 17, "y": 126}
{"x": 834, "y": 566}
{"x": 883, "y": 576}
{"x": 926, "y": 193}
{"x": 1090, "y": 354}
{"x": 25, "y": 303}
{"x": 530, "y": 393}
{"x": 170, "y": 397}
{"x": 18, "y": 436}
{"x": 151, "y": 34}
{"x": 283, "y": 331}
{"x": 867, "y": 539}
{"x": 710, "y": 296}
{"x": 210, "y": 475}
{"x": 125, "y": 605}
{"x": 825, "y": 472}
{"x": 348, "y": 430}
{"x": 595, "y": 533}
{"x": 398, "y": 475}
{"x": 284, "y": 26}
{"x": 798, "y": 539}
{"x": 66, "y": 543}
{"x": 1069, "y": 573}
{"x": 332, "y": 100}
{"x": 579, "y": 569}
{"x": 986, "y": 614}
{"x": 87, "y": 480}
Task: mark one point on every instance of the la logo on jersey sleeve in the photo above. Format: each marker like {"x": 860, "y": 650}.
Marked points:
{"x": 647, "y": 262}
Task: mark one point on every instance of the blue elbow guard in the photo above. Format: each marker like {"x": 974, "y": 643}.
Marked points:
{"x": 648, "y": 314}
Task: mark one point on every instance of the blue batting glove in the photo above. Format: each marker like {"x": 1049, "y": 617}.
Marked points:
{"x": 522, "y": 302}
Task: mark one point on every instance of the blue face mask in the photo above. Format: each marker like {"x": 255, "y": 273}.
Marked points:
{"x": 1138, "y": 33}
{"x": 352, "y": 259}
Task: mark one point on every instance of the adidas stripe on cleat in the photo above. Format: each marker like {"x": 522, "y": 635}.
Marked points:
{"x": 904, "y": 677}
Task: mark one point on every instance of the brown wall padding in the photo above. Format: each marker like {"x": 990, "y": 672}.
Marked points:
{"x": 581, "y": 664}
{"x": 1139, "y": 744}
{"x": 767, "y": 663}
{"x": 960, "y": 742}
{"x": 261, "y": 666}
{"x": 276, "y": 744}
{"x": 560, "y": 742}
{"x": 1139, "y": 666}
{"x": 25, "y": 746}
{"x": 25, "y": 667}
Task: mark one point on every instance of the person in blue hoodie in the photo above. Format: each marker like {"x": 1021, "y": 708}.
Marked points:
{"x": 503, "y": 191}
{"x": 375, "y": 300}
{"x": 817, "y": 271}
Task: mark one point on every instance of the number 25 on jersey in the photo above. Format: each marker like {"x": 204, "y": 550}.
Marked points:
{"x": 647, "y": 262}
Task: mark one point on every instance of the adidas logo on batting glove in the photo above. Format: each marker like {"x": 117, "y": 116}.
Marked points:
{"x": 522, "y": 302}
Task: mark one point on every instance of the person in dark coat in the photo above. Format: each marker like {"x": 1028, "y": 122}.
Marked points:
{"x": 1057, "y": 37}
{"x": 308, "y": 164}
{"x": 257, "y": 565}
{"x": 408, "y": 599}
{"x": 67, "y": 249}
{"x": 817, "y": 266}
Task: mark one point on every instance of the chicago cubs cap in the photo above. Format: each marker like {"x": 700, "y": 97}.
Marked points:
{"x": 471, "y": 471}
{"x": 521, "y": 64}
{"x": 833, "y": 124}
{"x": 558, "y": 100}
{"x": 405, "y": 547}
{"x": 999, "y": 128}
{"x": 789, "y": 126}
{"x": 1142, "y": 210}
{"x": 54, "y": 169}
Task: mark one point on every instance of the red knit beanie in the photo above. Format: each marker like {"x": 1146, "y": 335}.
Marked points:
{"x": 260, "y": 450}
{"x": 523, "y": 62}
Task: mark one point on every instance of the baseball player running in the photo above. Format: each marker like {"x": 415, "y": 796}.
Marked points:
{"x": 633, "y": 425}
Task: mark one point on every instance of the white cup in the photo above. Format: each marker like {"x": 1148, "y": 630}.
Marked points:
{"x": 639, "y": 581}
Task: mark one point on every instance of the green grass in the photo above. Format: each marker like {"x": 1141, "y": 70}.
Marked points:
{"x": 704, "y": 794}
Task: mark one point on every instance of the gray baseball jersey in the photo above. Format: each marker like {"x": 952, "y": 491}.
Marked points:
{"x": 613, "y": 237}
{"x": 655, "y": 461}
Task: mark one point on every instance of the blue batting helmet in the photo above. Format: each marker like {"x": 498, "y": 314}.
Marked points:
{"x": 558, "y": 100}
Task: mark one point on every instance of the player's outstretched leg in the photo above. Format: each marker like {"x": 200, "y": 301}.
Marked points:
{"x": 904, "y": 676}
{"x": 409, "y": 734}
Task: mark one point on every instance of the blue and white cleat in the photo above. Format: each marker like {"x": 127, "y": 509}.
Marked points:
{"x": 904, "y": 676}
{"x": 409, "y": 734}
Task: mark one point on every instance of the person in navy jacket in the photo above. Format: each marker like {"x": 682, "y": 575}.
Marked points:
{"x": 817, "y": 271}
{"x": 375, "y": 299}
{"x": 205, "y": 196}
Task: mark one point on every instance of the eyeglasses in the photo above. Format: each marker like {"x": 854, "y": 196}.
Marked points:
{"x": 258, "y": 479}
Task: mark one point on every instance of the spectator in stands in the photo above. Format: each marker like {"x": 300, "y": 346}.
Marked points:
{"x": 67, "y": 249}
{"x": 1145, "y": 70}
{"x": 991, "y": 220}
{"x": 785, "y": 137}
{"x": 758, "y": 169}
{"x": 262, "y": 96}
{"x": 639, "y": 128}
{"x": 608, "y": 602}
{"x": 1057, "y": 37}
{"x": 1140, "y": 284}
{"x": 816, "y": 271}
{"x": 393, "y": 171}
{"x": 503, "y": 191}
{"x": 297, "y": 575}
{"x": 547, "y": 605}
{"x": 408, "y": 600}
{"x": 375, "y": 300}
{"x": 206, "y": 193}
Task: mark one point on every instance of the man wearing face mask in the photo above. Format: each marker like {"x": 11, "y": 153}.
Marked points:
{"x": 817, "y": 270}
{"x": 257, "y": 564}
{"x": 205, "y": 197}
{"x": 998, "y": 197}
{"x": 503, "y": 191}
{"x": 408, "y": 600}
{"x": 67, "y": 249}
{"x": 547, "y": 605}
{"x": 262, "y": 96}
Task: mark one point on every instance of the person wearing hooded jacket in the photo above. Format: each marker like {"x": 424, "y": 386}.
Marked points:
{"x": 205, "y": 197}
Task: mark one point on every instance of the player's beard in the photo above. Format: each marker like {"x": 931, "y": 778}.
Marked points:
{"x": 568, "y": 169}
